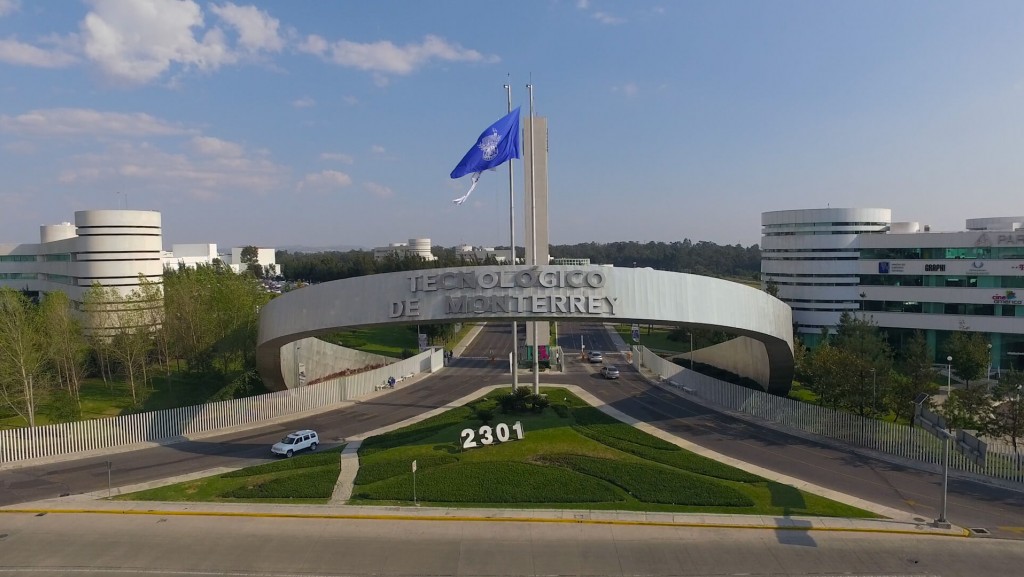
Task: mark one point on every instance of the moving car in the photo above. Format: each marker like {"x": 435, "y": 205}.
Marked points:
{"x": 610, "y": 372}
{"x": 295, "y": 442}
{"x": 596, "y": 357}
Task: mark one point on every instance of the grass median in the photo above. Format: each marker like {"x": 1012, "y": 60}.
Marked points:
{"x": 571, "y": 456}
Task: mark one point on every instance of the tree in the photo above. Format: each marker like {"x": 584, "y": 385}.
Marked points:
{"x": 970, "y": 355}
{"x": 771, "y": 287}
{"x": 251, "y": 259}
{"x": 22, "y": 354}
{"x": 967, "y": 409}
{"x": 870, "y": 362}
{"x": 915, "y": 376}
{"x": 67, "y": 345}
{"x": 1007, "y": 418}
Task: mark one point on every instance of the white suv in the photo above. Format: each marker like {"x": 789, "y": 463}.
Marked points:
{"x": 296, "y": 442}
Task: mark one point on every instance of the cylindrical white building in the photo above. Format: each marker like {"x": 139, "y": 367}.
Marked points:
{"x": 811, "y": 255}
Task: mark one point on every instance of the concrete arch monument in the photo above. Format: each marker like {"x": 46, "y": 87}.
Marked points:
{"x": 524, "y": 293}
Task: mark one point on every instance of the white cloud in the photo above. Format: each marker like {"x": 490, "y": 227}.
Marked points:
{"x": 388, "y": 58}
{"x": 257, "y": 31}
{"x": 325, "y": 180}
{"x": 314, "y": 44}
{"x": 337, "y": 157}
{"x": 377, "y": 149}
{"x": 151, "y": 170}
{"x": 606, "y": 18}
{"x": 139, "y": 41}
{"x": 84, "y": 121}
{"x": 22, "y": 54}
{"x": 350, "y": 100}
{"x": 20, "y": 147}
{"x": 630, "y": 89}
{"x": 305, "y": 102}
{"x": 215, "y": 147}
{"x": 9, "y": 7}
{"x": 583, "y": 4}
{"x": 379, "y": 190}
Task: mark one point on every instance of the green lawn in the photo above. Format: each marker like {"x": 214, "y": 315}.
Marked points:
{"x": 656, "y": 339}
{"x": 389, "y": 341}
{"x": 572, "y": 456}
{"x": 305, "y": 478}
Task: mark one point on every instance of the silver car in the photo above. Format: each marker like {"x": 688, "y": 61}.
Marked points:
{"x": 610, "y": 372}
{"x": 596, "y": 357}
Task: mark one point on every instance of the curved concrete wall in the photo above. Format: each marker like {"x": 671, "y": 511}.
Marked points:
{"x": 592, "y": 293}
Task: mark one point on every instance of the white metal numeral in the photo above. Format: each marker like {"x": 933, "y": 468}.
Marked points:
{"x": 485, "y": 435}
{"x": 467, "y": 439}
{"x": 502, "y": 432}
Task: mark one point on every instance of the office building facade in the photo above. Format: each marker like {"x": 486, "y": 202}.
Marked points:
{"x": 900, "y": 275}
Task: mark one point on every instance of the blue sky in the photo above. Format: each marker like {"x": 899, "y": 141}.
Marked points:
{"x": 338, "y": 123}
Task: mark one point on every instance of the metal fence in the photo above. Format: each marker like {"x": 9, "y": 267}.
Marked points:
{"x": 174, "y": 425}
{"x": 895, "y": 439}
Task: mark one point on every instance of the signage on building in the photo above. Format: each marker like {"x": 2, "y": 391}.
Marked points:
{"x": 523, "y": 291}
{"x": 1003, "y": 239}
{"x": 934, "y": 268}
{"x": 977, "y": 267}
{"x": 886, "y": 267}
{"x": 1007, "y": 298}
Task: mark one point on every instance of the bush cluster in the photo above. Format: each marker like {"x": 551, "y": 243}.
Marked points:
{"x": 655, "y": 484}
{"x": 493, "y": 482}
{"x": 521, "y": 400}
{"x": 317, "y": 483}
{"x": 561, "y": 410}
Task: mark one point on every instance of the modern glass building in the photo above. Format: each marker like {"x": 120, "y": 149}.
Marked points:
{"x": 901, "y": 275}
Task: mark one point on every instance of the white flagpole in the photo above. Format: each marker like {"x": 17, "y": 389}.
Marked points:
{"x": 533, "y": 229}
{"x": 512, "y": 243}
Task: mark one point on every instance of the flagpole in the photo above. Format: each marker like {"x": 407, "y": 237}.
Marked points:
{"x": 512, "y": 243}
{"x": 533, "y": 230}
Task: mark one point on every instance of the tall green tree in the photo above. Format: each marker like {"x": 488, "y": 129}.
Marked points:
{"x": 67, "y": 345}
{"x": 1007, "y": 417}
{"x": 970, "y": 354}
{"x": 870, "y": 363}
{"x": 915, "y": 376}
{"x": 22, "y": 354}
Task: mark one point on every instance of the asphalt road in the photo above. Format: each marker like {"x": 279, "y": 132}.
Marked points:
{"x": 165, "y": 545}
{"x": 970, "y": 504}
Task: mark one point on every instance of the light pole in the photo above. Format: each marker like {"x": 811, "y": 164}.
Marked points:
{"x": 691, "y": 350}
{"x": 949, "y": 375}
{"x": 873, "y": 389}
{"x": 988, "y": 373}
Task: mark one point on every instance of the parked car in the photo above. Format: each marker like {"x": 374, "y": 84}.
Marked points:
{"x": 295, "y": 442}
{"x": 610, "y": 372}
{"x": 596, "y": 357}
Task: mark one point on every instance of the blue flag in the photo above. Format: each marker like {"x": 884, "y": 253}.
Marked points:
{"x": 496, "y": 145}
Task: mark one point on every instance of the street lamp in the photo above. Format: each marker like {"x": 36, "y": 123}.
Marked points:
{"x": 873, "y": 404}
{"x": 949, "y": 375}
{"x": 988, "y": 373}
{"x": 691, "y": 350}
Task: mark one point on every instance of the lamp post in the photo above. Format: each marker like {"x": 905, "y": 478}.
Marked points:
{"x": 949, "y": 375}
{"x": 873, "y": 389}
{"x": 988, "y": 372}
{"x": 691, "y": 350}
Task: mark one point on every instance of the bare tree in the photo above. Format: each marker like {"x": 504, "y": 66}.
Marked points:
{"x": 67, "y": 346}
{"x": 22, "y": 354}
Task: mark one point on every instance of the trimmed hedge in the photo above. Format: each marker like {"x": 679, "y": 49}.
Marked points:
{"x": 302, "y": 462}
{"x": 494, "y": 482}
{"x": 654, "y": 484}
{"x": 374, "y": 472}
{"x": 312, "y": 484}
{"x": 628, "y": 433}
{"x": 678, "y": 458}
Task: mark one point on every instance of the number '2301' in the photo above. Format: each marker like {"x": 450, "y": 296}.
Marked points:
{"x": 488, "y": 436}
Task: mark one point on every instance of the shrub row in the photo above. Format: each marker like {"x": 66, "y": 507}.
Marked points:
{"x": 300, "y": 462}
{"x": 628, "y": 433}
{"x": 494, "y": 482}
{"x": 654, "y": 484}
{"x": 311, "y": 484}
{"x": 384, "y": 469}
{"x": 678, "y": 458}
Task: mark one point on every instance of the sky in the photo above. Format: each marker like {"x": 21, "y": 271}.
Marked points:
{"x": 337, "y": 124}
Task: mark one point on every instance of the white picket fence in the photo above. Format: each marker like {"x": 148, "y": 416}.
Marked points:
{"x": 898, "y": 440}
{"x": 174, "y": 425}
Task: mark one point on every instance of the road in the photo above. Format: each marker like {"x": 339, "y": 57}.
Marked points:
{"x": 200, "y": 546}
{"x": 970, "y": 504}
